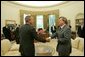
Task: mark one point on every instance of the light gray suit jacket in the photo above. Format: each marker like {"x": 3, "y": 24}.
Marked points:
{"x": 64, "y": 39}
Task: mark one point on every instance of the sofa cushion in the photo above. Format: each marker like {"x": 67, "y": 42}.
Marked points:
{"x": 2, "y": 53}
{"x": 76, "y": 52}
{"x": 12, "y": 53}
{"x": 5, "y": 45}
{"x": 75, "y": 42}
{"x": 14, "y": 47}
{"x": 81, "y": 45}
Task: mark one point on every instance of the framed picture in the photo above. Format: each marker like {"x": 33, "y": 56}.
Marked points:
{"x": 78, "y": 22}
{"x": 10, "y": 23}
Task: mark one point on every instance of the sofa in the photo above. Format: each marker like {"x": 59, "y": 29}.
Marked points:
{"x": 9, "y": 49}
{"x": 12, "y": 49}
{"x": 77, "y": 46}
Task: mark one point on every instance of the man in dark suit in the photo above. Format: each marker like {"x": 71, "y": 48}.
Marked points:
{"x": 27, "y": 35}
{"x": 16, "y": 32}
{"x": 6, "y": 32}
{"x": 63, "y": 35}
{"x": 80, "y": 31}
{"x": 53, "y": 29}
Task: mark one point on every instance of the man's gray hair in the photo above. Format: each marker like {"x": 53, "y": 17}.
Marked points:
{"x": 64, "y": 19}
{"x": 26, "y": 18}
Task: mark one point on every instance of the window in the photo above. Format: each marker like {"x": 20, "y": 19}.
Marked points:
{"x": 25, "y": 16}
{"x": 39, "y": 21}
{"x": 51, "y": 22}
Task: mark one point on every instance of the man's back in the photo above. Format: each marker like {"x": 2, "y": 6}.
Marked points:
{"x": 27, "y": 35}
{"x": 26, "y": 40}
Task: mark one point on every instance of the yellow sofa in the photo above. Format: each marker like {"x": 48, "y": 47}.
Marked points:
{"x": 8, "y": 49}
{"x": 77, "y": 47}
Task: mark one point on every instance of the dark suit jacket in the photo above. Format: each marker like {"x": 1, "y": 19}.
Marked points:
{"x": 80, "y": 32}
{"x": 53, "y": 30}
{"x": 64, "y": 39}
{"x": 16, "y": 32}
{"x": 6, "y": 33}
{"x": 27, "y": 35}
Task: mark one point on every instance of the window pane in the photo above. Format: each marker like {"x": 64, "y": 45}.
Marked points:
{"x": 51, "y": 22}
{"x": 39, "y": 21}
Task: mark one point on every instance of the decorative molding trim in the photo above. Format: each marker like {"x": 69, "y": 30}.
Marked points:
{"x": 38, "y": 6}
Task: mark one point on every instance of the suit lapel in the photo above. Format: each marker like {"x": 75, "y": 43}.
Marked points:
{"x": 61, "y": 29}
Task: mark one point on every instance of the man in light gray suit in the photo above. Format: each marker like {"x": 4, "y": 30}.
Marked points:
{"x": 63, "y": 35}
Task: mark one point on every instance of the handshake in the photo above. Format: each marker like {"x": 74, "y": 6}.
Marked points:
{"x": 48, "y": 39}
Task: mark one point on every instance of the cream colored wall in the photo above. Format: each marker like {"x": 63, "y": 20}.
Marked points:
{"x": 8, "y": 12}
{"x": 69, "y": 10}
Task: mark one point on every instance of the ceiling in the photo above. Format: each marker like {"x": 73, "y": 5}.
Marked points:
{"x": 38, "y": 3}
